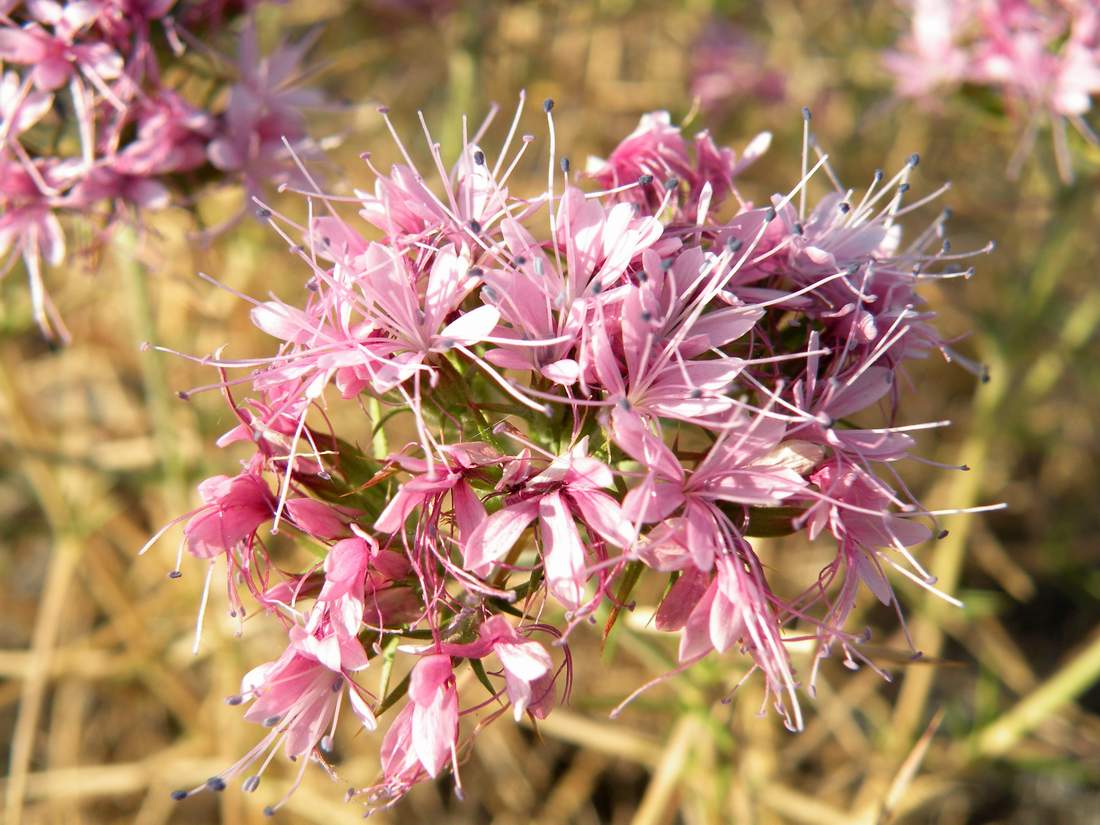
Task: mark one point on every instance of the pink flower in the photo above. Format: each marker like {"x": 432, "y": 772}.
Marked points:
{"x": 929, "y": 58}
{"x": 729, "y": 68}
{"x": 434, "y": 721}
{"x": 678, "y": 382}
{"x": 233, "y": 509}
{"x": 58, "y": 56}
{"x": 300, "y": 699}
{"x": 570, "y": 489}
{"x": 656, "y": 157}
{"x": 265, "y": 107}
{"x": 527, "y": 668}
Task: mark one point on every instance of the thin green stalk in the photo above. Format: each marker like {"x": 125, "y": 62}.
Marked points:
{"x": 1073, "y": 679}
{"x": 158, "y": 395}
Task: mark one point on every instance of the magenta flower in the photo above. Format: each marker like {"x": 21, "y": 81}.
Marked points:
{"x": 603, "y": 386}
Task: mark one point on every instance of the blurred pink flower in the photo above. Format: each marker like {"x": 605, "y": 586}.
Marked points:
{"x": 729, "y": 69}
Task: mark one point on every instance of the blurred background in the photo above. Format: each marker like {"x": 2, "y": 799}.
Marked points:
{"x": 104, "y": 710}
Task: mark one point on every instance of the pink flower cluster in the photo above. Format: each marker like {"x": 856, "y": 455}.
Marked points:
{"x": 1043, "y": 58}
{"x": 601, "y": 386}
{"x": 92, "y": 124}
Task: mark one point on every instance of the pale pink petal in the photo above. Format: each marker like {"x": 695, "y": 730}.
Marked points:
{"x": 361, "y": 709}
{"x": 469, "y": 511}
{"x": 564, "y": 372}
{"x": 695, "y": 639}
{"x": 563, "y": 552}
{"x": 603, "y": 515}
{"x": 494, "y": 537}
{"x": 471, "y": 327}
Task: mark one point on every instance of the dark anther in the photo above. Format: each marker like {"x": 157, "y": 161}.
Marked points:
{"x": 271, "y": 721}
{"x": 215, "y": 783}
{"x": 250, "y": 784}
{"x": 479, "y": 158}
{"x": 475, "y": 227}
{"x": 948, "y": 213}
{"x": 236, "y": 699}
{"x": 965, "y": 468}
{"x": 879, "y": 175}
{"x": 475, "y": 272}
{"x": 645, "y": 180}
{"x": 548, "y": 104}
{"x": 624, "y": 405}
{"x": 178, "y": 795}
{"x": 805, "y": 112}
{"x": 696, "y": 393}
{"x": 175, "y": 574}
{"x": 769, "y": 215}
{"x": 647, "y": 316}
{"x": 799, "y": 229}
{"x": 269, "y": 811}
{"x": 564, "y": 163}
{"x": 903, "y": 188}
{"x": 943, "y": 534}
{"x": 845, "y": 207}
{"x": 263, "y": 214}
{"x": 914, "y": 159}
{"x": 520, "y": 260}
{"x": 734, "y": 244}
{"x": 672, "y": 183}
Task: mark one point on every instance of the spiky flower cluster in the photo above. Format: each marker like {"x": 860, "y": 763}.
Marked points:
{"x": 1041, "y": 58}
{"x": 92, "y": 122}
{"x": 599, "y": 386}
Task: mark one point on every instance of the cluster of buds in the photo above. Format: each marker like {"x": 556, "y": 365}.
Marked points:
{"x": 1042, "y": 58}
{"x": 92, "y": 122}
{"x": 601, "y": 385}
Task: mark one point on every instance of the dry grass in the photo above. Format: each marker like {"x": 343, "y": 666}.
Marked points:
{"x": 106, "y": 710}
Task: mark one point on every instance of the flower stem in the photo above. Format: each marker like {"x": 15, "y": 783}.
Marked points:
{"x": 153, "y": 377}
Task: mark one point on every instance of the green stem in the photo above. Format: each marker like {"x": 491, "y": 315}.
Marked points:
{"x": 1073, "y": 679}
{"x": 154, "y": 379}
